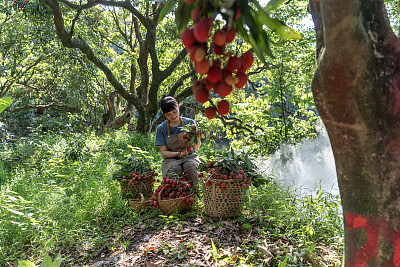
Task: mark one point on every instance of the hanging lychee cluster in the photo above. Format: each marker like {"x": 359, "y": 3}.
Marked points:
{"x": 221, "y": 70}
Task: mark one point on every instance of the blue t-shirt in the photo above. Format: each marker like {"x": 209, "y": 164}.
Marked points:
{"x": 162, "y": 132}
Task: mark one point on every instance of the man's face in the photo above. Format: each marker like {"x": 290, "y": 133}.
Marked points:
{"x": 172, "y": 116}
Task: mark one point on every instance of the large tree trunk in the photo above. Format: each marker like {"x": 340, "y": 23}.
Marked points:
{"x": 356, "y": 87}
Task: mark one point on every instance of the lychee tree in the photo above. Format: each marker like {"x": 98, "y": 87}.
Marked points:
{"x": 356, "y": 87}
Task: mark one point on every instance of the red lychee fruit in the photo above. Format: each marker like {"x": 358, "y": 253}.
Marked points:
{"x": 188, "y": 38}
{"x": 229, "y": 79}
{"x": 217, "y": 62}
{"x": 190, "y": 1}
{"x": 214, "y": 74}
{"x": 195, "y": 13}
{"x": 230, "y": 34}
{"x": 234, "y": 63}
{"x": 247, "y": 59}
{"x": 219, "y": 37}
{"x": 223, "y": 89}
{"x": 199, "y": 54}
{"x": 219, "y": 50}
{"x": 208, "y": 84}
{"x": 201, "y": 95}
{"x": 197, "y": 84}
{"x": 201, "y": 30}
{"x": 223, "y": 107}
{"x": 242, "y": 80}
{"x": 202, "y": 67}
{"x": 210, "y": 112}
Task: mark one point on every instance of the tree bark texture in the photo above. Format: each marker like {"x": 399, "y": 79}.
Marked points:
{"x": 356, "y": 87}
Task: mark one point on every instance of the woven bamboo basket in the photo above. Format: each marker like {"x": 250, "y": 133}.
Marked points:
{"x": 224, "y": 204}
{"x": 145, "y": 186}
{"x": 139, "y": 204}
{"x": 171, "y": 205}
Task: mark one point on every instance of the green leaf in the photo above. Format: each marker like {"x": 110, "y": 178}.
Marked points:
{"x": 183, "y": 15}
{"x": 248, "y": 226}
{"x": 4, "y": 103}
{"x": 47, "y": 262}
{"x": 278, "y": 27}
{"x": 26, "y": 264}
{"x": 167, "y": 9}
{"x": 215, "y": 254}
{"x": 15, "y": 212}
{"x": 274, "y": 4}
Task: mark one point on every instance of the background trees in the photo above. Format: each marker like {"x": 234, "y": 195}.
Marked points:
{"x": 134, "y": 68}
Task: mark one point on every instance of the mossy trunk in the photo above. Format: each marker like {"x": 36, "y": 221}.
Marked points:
{"x": 356, "y": 87}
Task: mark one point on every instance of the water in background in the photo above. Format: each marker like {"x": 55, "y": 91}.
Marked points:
{"x": 306, "y": 167}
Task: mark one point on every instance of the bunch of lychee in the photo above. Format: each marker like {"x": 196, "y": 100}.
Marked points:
{"x": 190, "y": 137}
{"x": 221, "y": 69}
{"x": 136, "y": 177}
{"x": 172, "y": 189}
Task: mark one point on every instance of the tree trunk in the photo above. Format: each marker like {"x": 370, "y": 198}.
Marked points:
{"x": 356, "y": 86}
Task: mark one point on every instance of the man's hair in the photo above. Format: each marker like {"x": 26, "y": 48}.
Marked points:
{"x": 168, "y": 103}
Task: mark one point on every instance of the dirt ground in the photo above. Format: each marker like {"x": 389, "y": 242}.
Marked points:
{"x": 190, "y": 243}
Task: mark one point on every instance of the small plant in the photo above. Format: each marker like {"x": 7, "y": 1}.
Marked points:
{"x": 47, "y": 262}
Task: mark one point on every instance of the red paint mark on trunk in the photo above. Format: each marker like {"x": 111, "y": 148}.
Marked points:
{"x": 396, "y": 256}
{"x": 368, "y": 251}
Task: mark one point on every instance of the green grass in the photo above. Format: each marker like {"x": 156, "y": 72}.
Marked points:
{"x": 57, "y": 195}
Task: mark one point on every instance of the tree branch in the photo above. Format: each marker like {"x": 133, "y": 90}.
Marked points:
{"x": 51, "y": 105}
{"x": 165, "y": 73}
{"x": 179, "y": 82}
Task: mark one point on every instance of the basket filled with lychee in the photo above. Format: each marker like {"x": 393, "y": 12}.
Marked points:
{"x": 225, "y": 182}
{"x": 173, "y": 195}
{"x": 136, "y": 183}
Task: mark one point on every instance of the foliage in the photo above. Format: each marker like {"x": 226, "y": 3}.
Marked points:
{"x": 4, "y": 103}
{"x": 47, "y": 262}
{"x": 53, "y": 203}
{"x": 277, "y": 104}
{"x": 43, "y": 190}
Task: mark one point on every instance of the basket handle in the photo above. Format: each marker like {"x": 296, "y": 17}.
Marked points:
{"x": 159, "y": 195}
